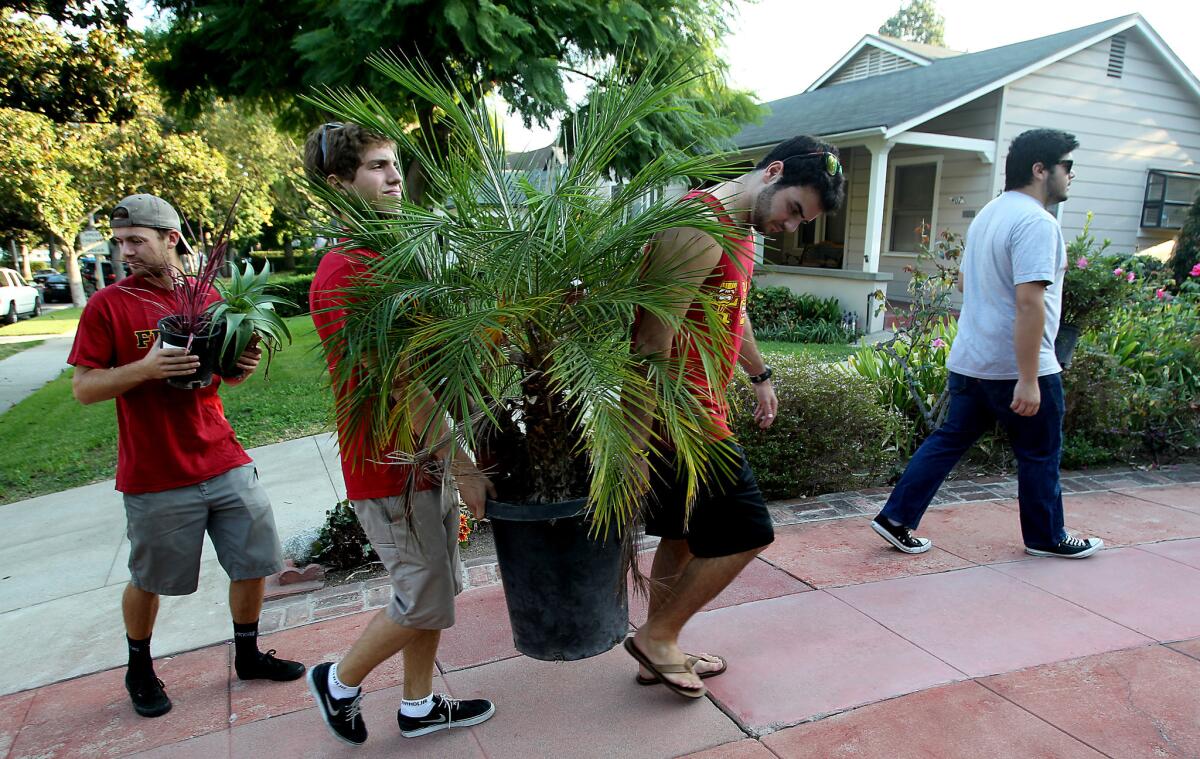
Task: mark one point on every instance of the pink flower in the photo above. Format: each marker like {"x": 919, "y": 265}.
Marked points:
{"x": 938, "y": 343}
{"x": 1160, "y": 293}
{"x": 1195, "y": 271}
{"x": 1082, "y": 263}
{"x": 1130, "y": 277}
{"x": 1117, "y": 272}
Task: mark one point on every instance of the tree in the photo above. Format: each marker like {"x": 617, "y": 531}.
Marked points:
{"x": 63, "y": 72}
{"x": 917, "y": 21}
{"x": 274, "y": 53}
{"x": 1187, "y": 245}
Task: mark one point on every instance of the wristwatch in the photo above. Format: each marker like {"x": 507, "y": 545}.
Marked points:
{"x": 758, "y": 379}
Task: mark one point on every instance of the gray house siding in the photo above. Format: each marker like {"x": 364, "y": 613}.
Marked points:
{"x": 1145, "y": 119}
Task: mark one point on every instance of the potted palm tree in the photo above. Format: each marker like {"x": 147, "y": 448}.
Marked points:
{"x": 246, "y": 315}
{"x": 513, "y": 302}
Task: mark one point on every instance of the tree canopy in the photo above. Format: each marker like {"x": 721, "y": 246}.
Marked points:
{"x": 917, "y": 21}
{"x": 522, "y": 50}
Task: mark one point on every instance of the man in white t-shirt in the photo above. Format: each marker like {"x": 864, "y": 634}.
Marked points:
{"x": 1002, "y": 364}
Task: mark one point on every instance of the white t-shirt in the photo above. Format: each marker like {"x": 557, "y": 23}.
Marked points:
{"x": 1013, "y": 240}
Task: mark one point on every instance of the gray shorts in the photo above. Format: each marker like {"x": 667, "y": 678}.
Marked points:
{"x": 166, "y": 532}
{"x": 421, "y": 558}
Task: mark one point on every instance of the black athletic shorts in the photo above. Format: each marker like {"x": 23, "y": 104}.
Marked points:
{"x": 728, "y": 517}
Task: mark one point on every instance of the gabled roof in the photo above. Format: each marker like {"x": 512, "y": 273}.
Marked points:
{"x": 913, "y": 52}
{"x": 892, "y": 103}
{"x": 930, "y": 52}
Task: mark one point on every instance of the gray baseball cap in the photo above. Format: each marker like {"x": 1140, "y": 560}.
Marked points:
{"x": 151, "y": 211}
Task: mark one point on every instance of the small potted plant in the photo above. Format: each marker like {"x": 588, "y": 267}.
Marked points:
{"x": 246, "y": 315}
{"x": 1094, "y": 285}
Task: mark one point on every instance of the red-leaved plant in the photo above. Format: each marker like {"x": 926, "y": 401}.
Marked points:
{"x": 190, "y": 312}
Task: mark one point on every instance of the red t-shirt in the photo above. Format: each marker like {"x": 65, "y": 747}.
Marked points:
{"x": 365, "y": 475}
{"x": 730, "y": 281}
{"x": 167, "y": 437}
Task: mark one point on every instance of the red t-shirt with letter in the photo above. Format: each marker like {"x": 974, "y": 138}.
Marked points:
{"x": 364, "y": 468}
{"x": 167, "y": 438}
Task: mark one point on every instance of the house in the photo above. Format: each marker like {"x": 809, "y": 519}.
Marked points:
{"x": 923, "y": 133}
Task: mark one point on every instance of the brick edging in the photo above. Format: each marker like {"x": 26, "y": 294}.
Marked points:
{"x": 351, "y": 598}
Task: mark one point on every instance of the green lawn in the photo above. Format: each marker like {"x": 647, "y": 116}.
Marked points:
{"x": 55, "y": 443}
{"x": 59, "y": 322}
{"x": 8, "y": 349}
{"x": 823, "y": 353}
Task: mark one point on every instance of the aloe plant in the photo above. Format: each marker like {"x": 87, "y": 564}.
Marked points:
{"x": 514, "y": 304}
{"x": 247, "y": 310}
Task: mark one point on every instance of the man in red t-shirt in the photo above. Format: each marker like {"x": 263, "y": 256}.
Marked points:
{"x": 179, "y": 465}
{"x": 699, "y": 555}
{"x": 414, "y": 530}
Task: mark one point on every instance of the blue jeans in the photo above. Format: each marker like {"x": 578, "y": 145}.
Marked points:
{"x": 975, "y": 405}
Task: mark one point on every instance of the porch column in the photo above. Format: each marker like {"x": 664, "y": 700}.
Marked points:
{"x": 872, "y": 250}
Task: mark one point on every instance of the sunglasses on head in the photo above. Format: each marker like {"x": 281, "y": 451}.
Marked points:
{"x": 833, "y": 166}
{"x": 326, "y": 128}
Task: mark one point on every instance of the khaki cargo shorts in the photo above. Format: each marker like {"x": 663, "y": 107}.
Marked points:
{"x": 421, "y": 557}
{"x": 166, "y": 532}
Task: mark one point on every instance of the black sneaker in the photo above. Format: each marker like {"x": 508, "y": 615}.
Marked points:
{"x": 446, "y": 713}
{"x": 267, "y": 667}
{"x": 900, "y": 537}
{"x": 342, "y": 715}
{"x": 147, "y": 694}
{"x": 1070, "y": 548}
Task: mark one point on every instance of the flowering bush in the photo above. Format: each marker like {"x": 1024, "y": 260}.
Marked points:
{"x": 1096, "y": 282}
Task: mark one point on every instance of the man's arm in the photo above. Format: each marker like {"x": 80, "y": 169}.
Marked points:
{"x": 752, "y": 361}
{"x": 1027, "y": 342}
{"x": 91, "y": 385}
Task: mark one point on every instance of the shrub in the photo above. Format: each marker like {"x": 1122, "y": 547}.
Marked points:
{"x": 1187, "y": 246}
{"x": 1096, "y": 283}
{"x": 829, "y": 434}
{"x": 294, "y": 288}
{"x": 342, "y": 544}
{"x": 780, "y": 314}
{"x": 1098, "y": 425}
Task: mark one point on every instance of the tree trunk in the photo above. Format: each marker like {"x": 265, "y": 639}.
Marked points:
{"x": 25, "y": 272}
{"x": 53, "y": 252}
{"x": 12, "y": 251}
{"x": 78, "y": 299}
{"x": 289, "y": 255}
{"x": 118, "y": 263}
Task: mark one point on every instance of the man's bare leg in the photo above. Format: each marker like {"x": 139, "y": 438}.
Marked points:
{"x": 670, "y": 559}
{"x": 419, "y": 656}
{"x": 246, "y": 599}
{"x": 140, "y": 609}
{"x": 382, "y": 639}
{"x": 698, "y": 583}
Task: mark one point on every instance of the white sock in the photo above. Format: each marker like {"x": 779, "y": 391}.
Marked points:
{"x": 893, "y": 522}
{"x": 337, "y": 688}
{"x": 419, "y": 708}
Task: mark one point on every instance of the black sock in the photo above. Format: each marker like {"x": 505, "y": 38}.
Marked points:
{"x": 139, "y": 656}
{"x": 245, "y": 641}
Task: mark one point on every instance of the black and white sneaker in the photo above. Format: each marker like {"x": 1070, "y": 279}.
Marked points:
{"x": 147, "y": 694}
{"x": 445, "y": 714}
{"x": 268, "y": 667}
{"x": 1070, "y": 548}
{"x": 900, "y": 537}
{"x": 342, "y": 715}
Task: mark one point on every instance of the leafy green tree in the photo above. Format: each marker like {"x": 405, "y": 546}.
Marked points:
{"x": 917, "y": 21}
{"x": 1187, "y": 245}
{"x": 273, "y": 53}
{"x": 63, "y": 72}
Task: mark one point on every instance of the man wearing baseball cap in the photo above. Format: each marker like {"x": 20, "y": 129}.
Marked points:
{"x": 179, "y": 465}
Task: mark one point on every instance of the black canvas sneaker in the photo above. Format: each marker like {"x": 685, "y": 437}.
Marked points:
{"x": 1070, "y": 548}
{"x": 147, "y": 694}
{"x": 445, "y": 714}
{"x": 900, "y": 537}
{"x": 267, "y": 667}
{"x": 342, "y": 715}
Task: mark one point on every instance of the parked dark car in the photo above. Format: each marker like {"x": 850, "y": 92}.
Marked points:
{"x": 41, "y": 275}
{"x": 56, "y": 289}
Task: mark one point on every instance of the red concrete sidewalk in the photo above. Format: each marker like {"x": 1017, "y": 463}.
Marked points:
{"x": 837, "y": 646}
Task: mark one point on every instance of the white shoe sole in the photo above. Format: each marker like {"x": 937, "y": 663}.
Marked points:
{"x": 1051, "y": 554}
{"x": 312, "y": 688}
{"x": 897, "y": 544}
{"x": 447, "y": 725}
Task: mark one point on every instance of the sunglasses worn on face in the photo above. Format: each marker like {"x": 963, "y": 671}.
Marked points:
{"x": 833, "y": 166}
{"x": 326, "y": 128}
{"x": 1067, "y": 165}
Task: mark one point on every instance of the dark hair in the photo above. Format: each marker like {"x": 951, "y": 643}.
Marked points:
{"x": 344, "y": 145}
{"x": 1044, "y": 146}
{"x": 799, "y": 168}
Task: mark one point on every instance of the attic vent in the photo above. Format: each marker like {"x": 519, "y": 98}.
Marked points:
{"x": 1116, "y": 56}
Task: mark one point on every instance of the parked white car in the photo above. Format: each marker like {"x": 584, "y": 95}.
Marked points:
{"x": 17, "y": 298}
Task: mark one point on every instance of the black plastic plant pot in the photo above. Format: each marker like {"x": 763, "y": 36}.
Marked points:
{"x": 565, "y": 589}
{"x": 227, "y": 362}
{"x": 205, "y": 347}
{"x": 1064, "y": 344}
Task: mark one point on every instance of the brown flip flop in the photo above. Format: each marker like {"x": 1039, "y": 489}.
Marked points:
{"x": 691, "y": 661}
{"x": 665, "y": 669}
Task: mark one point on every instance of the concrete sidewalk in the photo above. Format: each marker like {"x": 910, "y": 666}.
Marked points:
{"x": 837, "y": 646}
{"x": 63, "y": 567}
{"x": 26, "y": 372}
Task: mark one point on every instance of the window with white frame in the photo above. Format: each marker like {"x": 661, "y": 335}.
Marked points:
{"x": 1169, "y": 194}
{"x": 914, "y": 188}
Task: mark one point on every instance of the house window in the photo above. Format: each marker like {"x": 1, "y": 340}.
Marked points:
{"x": 1169, "y": 194}
{"x": 913, "y": 187}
